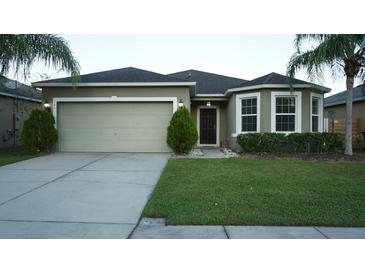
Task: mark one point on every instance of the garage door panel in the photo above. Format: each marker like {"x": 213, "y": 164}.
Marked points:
{"x": 114, "y": 127}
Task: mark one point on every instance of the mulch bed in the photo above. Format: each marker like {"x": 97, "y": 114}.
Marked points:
{"x": 357, "y": 157}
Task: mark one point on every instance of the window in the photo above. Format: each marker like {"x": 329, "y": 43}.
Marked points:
{"x": 249, "y": 115}
{"x": 315, "y": 114}
{"x": 285, "y": 113}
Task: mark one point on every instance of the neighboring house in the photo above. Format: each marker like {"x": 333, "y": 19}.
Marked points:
{"x": 16, "y": 103}
{"x": 128, "y": 110}
{"x": 335, "y": 107}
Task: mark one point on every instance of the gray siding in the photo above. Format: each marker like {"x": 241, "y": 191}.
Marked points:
{"x": 179, "y": 92}
{"x": 22, "y": 110}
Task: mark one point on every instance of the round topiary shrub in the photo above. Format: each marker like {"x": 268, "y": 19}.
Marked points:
{"x": 182, "y": 134}
{"x": 39, "y": 133}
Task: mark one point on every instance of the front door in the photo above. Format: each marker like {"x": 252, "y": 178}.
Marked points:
{"x": 208, "y": 126}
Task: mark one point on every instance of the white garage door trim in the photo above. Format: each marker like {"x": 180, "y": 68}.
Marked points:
{"x": 112, "y": 99}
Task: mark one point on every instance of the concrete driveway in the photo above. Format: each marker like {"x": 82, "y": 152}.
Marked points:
{"x": 77, "y": 195}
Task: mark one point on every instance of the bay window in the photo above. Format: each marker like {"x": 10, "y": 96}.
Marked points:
{"x": 286, "y": 112}
{"x": 248, "y": 113}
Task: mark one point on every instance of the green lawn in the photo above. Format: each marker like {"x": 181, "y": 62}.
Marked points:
{"x": 12, "y": 155}
{"x": 240, "y": 191}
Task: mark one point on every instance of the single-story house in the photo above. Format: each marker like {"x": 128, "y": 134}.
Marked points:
{"x": 129, "y": 109}
{"x": 335, "y": 107}
{"x": 16, "y": 103}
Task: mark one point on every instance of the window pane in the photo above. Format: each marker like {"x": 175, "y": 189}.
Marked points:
{"x": 249, "y": 106}
{"x": 291, "y": 123}
{"x": 315, "y": 123}
{"x": 315, "y": 105}
{"x": 292, "y": 105}
{"x": 249, "y": 123}
{"x": 285, "y": 122}
{"x": 285, "y": 104}
{"x": 279, "y": 101}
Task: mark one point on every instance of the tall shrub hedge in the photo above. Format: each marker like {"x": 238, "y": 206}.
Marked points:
{"x": 39, "y": 133}
{"x": 294, "y": 142}
{"x": 182, "y": 134}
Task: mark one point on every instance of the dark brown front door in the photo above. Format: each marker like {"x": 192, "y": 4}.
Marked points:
{"x": 208, "y": 126}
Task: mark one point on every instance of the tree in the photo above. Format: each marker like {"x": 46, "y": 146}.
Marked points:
{"x": 181, "y": 133}
{"x": 21, "y": 51}
{"x": 39, "y": 133}
{"x": 343, "y": 54}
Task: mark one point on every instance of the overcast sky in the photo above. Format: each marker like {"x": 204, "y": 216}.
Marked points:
{"x": 242, "y": 56}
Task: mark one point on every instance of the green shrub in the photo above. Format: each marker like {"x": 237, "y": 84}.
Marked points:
{"x": 261, "y": 142}
{"x": 294, "y": 142}
{"x": 181, "y": 133}
{"x": 39, "y": 133}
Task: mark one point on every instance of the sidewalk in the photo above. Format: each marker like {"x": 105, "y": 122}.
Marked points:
{"x": 156, "y": 229}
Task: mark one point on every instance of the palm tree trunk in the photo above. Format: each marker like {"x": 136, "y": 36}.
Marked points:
{"x": 348, "y": 123}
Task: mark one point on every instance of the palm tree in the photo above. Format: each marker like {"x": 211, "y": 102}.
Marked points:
{"x": 21, "y": 51}
{"x": 343, "y": 54}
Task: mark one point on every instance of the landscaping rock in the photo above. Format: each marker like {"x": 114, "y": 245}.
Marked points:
{"x": 196, "y": 153}
{"x": 229, "y": 153}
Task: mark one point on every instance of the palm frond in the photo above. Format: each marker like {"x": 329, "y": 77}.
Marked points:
{"x": 21, "y": 51}
{"x": 329, "y": 53}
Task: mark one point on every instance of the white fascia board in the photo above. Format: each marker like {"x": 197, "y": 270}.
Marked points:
{"x": 117, "y": 84}
{"x": 209, "y": 99}
{"x": 276, "y": 86}
{"x": 209, "y": 95}
{"x": 20, "y": 97}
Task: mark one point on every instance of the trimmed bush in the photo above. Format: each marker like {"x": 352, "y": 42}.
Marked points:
{"x": 294, "y": 142}
{"x": 261, "y": 142}
{"x": 39, "y": 133}
{"x": 181, "y": 133}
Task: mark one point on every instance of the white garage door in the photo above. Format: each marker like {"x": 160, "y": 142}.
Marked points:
{"x": 113, "y": 127}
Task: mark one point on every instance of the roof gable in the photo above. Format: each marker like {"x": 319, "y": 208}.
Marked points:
{"x": 206, "y": 82}
{"x": 273, "y": 80}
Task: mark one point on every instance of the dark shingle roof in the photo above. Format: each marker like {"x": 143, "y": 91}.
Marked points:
{"x": 129, "y": 75}
{"x": 14, "y": 88}
{"x": 271, "y": 79}
{"x": 208, "y": 83}
{"x": 358, "y": 94}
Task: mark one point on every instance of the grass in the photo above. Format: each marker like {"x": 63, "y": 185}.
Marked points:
{"x": 13, "y": 155}
{"x": 240, "y": 191}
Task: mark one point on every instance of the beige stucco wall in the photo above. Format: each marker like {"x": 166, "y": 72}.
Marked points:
{"x": 358, "y": 112}
{"x": 222, "y": 105}
{"x": 22, "y": 109}
{"x": 179, "y": 92}
{"x": 265, "y": 109}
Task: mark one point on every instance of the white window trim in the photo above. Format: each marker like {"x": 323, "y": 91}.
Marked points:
{"x": 320, "y": 111}
{"x": 198, "y": 125}
{"x": 298, "y": 110}
{"x": 239, "y": 98}
{"x": 57, "y": 100}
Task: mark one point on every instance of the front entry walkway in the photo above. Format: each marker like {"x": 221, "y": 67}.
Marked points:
{"x": 209, "y": 153}
{"x": 77, "y": 195}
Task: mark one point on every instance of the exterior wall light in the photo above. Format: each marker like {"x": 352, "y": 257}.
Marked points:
{"x": 181, "y": 103}
{"x": 46, "y": 104}
{"x": 209, "y": 104}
